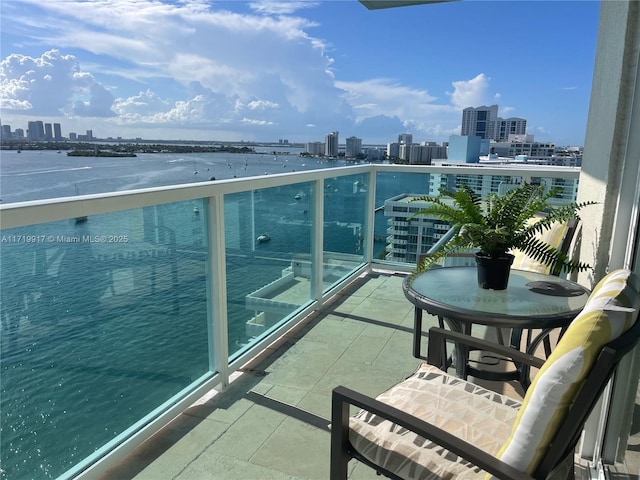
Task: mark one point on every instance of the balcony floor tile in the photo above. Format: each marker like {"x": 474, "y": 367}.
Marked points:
{"x": 272, "y": 423}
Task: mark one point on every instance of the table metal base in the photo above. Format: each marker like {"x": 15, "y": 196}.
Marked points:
{"x": 460, "y": 356}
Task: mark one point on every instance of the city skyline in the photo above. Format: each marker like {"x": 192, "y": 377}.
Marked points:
{"x": 260, "y": 71}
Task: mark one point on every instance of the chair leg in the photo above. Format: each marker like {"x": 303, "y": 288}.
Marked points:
{"x": 417, "y": 331}
{"x": 339, "y": 438}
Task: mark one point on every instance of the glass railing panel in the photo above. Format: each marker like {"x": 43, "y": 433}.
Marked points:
{"x": 345, "y": 204}
{"x": 567, "y": 189}
{"x": 268, "y": 251}
{"x": 401, "y": 239}
{"x": 389, "y": 186}
{"x": 103, "y": 319}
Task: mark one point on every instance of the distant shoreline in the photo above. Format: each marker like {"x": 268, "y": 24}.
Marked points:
{"x": 99, "y": 153}
{"x": 121, "y": 148}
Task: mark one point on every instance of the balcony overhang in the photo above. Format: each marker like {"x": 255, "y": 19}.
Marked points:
{"x": 379, "y": 4}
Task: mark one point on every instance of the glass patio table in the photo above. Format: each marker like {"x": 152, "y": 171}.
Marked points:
{"x": 531, "y": 301}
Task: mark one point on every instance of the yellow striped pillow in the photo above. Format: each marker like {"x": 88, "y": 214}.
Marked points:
{"x": 553, "y": 236}
{"x": 610, "y": 311}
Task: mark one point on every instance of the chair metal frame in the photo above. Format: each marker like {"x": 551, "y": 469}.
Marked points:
{"x": 564, "y": 442}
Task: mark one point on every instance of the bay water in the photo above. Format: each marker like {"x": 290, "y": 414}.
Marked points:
{"x": 74, "y": 376}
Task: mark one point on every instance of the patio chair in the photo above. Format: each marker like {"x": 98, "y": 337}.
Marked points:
{"x": 434, "y": 425}
{"x": 560, "y": 236}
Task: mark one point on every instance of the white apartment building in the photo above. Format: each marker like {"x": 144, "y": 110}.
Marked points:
{"x": 408, "y": 238}
{"x": 423, "y": 154}
{"x": 503, "y": 128}
{"x": 393, "y": 150}
{"x": 353, "y": 147}
{"x": 477, "y": 121}
{"x": 405, "y": 138}
{"x": 331, "y": 144}
{"x": 314, "y": 148}
{"x": 530, "y": 149}
{"x": 523, "y": 148}
{"x": 484, "y": 122}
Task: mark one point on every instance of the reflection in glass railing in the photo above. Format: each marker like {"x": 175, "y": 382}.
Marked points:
{"x": 103, "y": 319}
{"x": 267, "y": 232}
{"x": 345, "y": 203}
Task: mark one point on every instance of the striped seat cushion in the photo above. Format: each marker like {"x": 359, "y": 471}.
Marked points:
{"x": 475, "y": 414}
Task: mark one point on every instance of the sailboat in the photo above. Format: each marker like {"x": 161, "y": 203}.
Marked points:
{"x": 265, "y": 237}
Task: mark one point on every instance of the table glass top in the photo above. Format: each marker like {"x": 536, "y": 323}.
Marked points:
{"x": 528, "y": 294}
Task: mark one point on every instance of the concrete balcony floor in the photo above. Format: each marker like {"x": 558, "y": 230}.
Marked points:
{"x": 272, "y": 423}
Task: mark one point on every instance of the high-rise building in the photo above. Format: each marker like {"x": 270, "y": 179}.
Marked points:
{"x": 477, "y": 121}
{"x": 331, "y": 144}
{"x": 57, "y": 131}
{"x": 393, "y": 150}
{"x": 410, "y": 235}
{"x": 353, "y": 147}
{"x": 510, "y": 126}
{"x": 405, "y": 139}
{"x": 32, "y": 130}
{"x": 48, "y": 131}
{"x": 426, "y": 152}
{"x": 315, "y": 148}
{"x": 484, "y": 122}
{"x": 5, "y": 132}
{"x": 40, "y": 129}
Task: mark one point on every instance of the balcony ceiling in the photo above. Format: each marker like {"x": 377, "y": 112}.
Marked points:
{"x": 378, "y": 4}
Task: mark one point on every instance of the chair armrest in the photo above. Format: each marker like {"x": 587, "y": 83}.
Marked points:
{"x": 342, "y": 397}
{"x": 439, "y": 336}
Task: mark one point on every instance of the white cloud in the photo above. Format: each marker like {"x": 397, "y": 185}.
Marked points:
{"x": 384, "y": 104}
{"x": 539, "y": 130}
{"x": 252, "y": 121}
{"x": 188, "y": 65}
{"x": 50, "y": 85}
{"x": 261, "y": 105}
{"x": 280, "y": 8}
{"x": 471, "y": 93}
{"x": 145, "y": 103}
{"x": 216, "y": 64}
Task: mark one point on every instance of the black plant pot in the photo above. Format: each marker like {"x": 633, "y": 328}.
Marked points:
{"x": 493, "y": 272}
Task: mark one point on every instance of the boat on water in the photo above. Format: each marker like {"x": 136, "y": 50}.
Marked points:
{"x": 298, "y": 196}
{"x": 264, "y": 238}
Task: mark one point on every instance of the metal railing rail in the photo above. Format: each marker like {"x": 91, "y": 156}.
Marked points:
{"x": 41, "y": 211}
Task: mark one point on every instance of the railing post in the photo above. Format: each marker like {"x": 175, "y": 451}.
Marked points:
{"x": 217, "y": 291}
{"x": 317, "y": 243}
{"x": 370, "y": 219}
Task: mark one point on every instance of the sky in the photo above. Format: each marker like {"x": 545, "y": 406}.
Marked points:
{"x": 267, "y": 70}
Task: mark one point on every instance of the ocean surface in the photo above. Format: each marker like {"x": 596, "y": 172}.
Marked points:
{"x": 96, "y": 335}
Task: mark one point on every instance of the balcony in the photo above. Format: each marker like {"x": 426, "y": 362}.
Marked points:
{"x": 272, "y": 421}
{"x": 160, "y": 297}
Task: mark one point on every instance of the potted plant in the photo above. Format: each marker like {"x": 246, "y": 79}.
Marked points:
{"x": 498, "y": 225}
